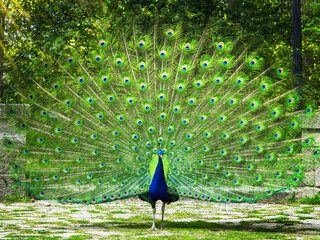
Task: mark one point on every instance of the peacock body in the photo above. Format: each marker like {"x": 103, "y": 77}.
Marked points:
{"x": 159, "y": 113}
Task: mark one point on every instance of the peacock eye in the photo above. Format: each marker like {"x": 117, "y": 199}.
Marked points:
{"x": 220, "y": 45}
{"x": 253, "y": 62}
{"x": 118, "y": 61}
{"x": 170, "y": 33}
{"x": 102, "y": 43}
{"x": 164, "y": 75}
{"x": 163, "y": 53}
{"x": 98, "y": 58}
{"x": 141, "y": 44}
{"x": 225, "y": 61}
{"x": 142, "y": 65}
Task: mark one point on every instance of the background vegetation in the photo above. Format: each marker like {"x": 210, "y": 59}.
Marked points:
{"x": 30, "y": 25}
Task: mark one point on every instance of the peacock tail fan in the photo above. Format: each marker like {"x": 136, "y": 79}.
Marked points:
{"x": 229, "y": 124}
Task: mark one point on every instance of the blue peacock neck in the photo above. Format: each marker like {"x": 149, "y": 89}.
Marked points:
{"x": 158, "y": 188}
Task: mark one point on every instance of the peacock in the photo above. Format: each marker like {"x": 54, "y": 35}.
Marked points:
{"x": 161, "y": 113}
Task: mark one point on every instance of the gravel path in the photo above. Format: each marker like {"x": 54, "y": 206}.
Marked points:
{"x": 186, "y": 219}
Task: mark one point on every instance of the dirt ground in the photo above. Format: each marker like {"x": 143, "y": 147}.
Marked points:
{"x": 186, "y": 219}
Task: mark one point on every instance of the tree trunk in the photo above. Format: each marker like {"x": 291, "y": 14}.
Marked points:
{"x": 2, "y": 22}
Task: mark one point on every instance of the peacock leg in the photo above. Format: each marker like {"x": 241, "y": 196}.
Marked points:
{"x": 163, "y": 207}
{"x": 153, "y": 227}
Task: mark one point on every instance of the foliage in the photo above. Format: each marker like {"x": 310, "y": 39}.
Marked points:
{"x": 15, "y": 198}
{"x": 37, "y": 27}
{"x": 311, "y": 200}
{"x": 311, "y": 44}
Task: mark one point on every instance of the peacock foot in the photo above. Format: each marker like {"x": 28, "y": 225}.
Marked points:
{"x": 153, "y": 228}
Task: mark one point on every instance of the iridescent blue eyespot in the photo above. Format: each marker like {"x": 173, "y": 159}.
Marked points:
{"x": 102, "y": 43}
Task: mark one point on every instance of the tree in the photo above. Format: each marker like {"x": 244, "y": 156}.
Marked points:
{"x": 35, "y": 27}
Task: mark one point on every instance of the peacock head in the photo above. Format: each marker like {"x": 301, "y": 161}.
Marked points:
{"x": 160, "y": 152}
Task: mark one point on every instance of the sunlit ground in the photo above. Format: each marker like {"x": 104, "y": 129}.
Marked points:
{"x": 186, "y": 219}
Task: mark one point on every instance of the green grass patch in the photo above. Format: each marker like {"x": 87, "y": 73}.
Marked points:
{"x": 14, "y": 199}
{"x": 315, "y": 200}
{"x": 93, "y": 211}
{"x": 80, "y": 237}
{"x": 306, "y": 217}
{"x": 306, "y": 210}
{"x": 28, "y": 209}
{"x": 79, "y": 221}
{"x": 12, "y": 227}
{"x": 118, "y": 211}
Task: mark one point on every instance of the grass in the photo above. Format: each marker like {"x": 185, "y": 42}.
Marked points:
{"x": 204, "y": 224}
{"x": 306, "y": 210}
{"x": 315, "y": 200}
{"x": 80, "y": 237}
{"x": 93, "y": 211}
{"x": 306, "y": 217}
{"x": 14, "y": 199}
{"x": 28, "y": 209}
